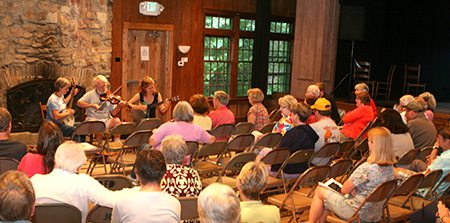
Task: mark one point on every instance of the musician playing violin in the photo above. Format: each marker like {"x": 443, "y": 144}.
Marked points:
{"x": 57, "y": 109}
{"x": 97, "y": 109}
{"x": 148, "y": 100}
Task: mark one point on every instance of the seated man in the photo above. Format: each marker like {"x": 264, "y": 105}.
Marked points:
{"x": 218, "y": 203}
{"x": 8, "y": 148}
{"x": 221, "y": 115}
{"x": 17, "y": 197}
{"x": 65, "y": 185}
{"x": 356, "y": 120}
{"x": 422, "y": 130}
{"x": 147, "y": 203}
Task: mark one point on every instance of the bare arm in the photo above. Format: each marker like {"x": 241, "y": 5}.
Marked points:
{"x": 348, "y": 187}
{"x": 83, "y": 104}
{"x": 137, "y": 106}
{"x": 60, "y": 115}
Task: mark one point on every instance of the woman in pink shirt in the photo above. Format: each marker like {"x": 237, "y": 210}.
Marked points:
{"x": 42, "y": 161}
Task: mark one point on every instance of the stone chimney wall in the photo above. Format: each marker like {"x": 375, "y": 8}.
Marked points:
{"x": 66, "y": 34}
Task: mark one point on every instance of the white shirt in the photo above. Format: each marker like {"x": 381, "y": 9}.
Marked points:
{"x": 203, "y": 121}
{"x": 71, "y": 188}
{"x": 103, "y": 114}
{"x": 55, "y": 103}
{"x": 134, "y": 206}
{"x": 327, "y": 130}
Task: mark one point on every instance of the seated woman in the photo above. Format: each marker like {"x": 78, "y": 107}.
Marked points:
{"x": 201, "y": 107}
{"x": 147, "y": 203}
{"x": 218, "y": 203}
{"x": 43, "y": 161}
{"x": 401, "y": 139}
{"x": 253, "y": 179}
{"x": 357, "y": 119}
{"x": 286, "y": 103}
{"x": 377, "y": 170}
{"x": 182, "y": 125}
{"x": 430, "y": 103}
{"x": 257, "y": 114}
{"x": 179, "y": 180}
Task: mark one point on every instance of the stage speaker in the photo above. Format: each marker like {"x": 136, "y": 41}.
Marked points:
{"x": 352, "y": 23}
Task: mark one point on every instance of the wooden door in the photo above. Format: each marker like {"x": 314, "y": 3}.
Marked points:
{"x": 147, "y": 51}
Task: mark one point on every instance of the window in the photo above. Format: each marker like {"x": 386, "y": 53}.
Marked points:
{"x": 245, "y": 60}
{"x": 216, "y": 65}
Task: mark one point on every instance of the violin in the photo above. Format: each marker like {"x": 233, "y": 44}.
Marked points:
{"x": 113, "y": 99}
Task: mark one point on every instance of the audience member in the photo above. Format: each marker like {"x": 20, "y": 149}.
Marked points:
{"x": 65, "y": 185}
{"x": 183, "y": 114}
{"x": 253, "y": 179}
{"x": 221, "y": 115}
{"x": 179, "y": 180}
{"x": 311, "y": 95}
{"x": 16, "y": 197}
{"x": 218, "y": 203}
{"x": 201, "y": 107}
{"x": 368, "y": 176}
{"x": 147, "y": 203}
{"x": 286, "y": 103}
{"x": 334, "y": 109}
{"x": 430, "y": 104}
{"x": 325, "y": 127}
{"x": 401, "y": 139}
{"x": 8, "y": 148}
{"x": 43, "y": 160}
{"x": 401, "y": 107}
{"x": 301, "y": 137}
{"x": 443, "y": 212}
{"x": 363, "y": 88}
{"x": 356, "y": 120}
{"x": 422, "y": 130}
{"x": 257, "y": 114}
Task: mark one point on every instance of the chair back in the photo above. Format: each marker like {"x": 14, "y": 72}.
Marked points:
{"x": 56, "y": 213}
{"x": 361, "y": 73}
{"x": 274, "y": 115}
{"x": 148, "y": 124}
{"x": 270, "y": 140}
{"x": 429, "y": 182}
{"x": 267, "y": 128}
{"x": 137, "y": 139}
{"x": 242, "y": 128}
{"x": 99, "y": 214}
{"x": 340, "y": 167}
{"x": 276, "y": 156}
{"x": 114, "y": 182}
{"x": 311, "y": 177}
{"x": 215, "y": 148}
{"x": 124, "y": 128}
{"x": 362, "y": 148}
{"x": 408, "y": 187}
{"x": 382, "y": 192}
{"x": 222, "y": 131}
{"x": 423, "y": 153}
{"x": 390, "y": 78}
{"x": 237, "y": 162}
{"x": 89, "y": 128}
{"x": 188, "y": 208}
{"x": 346, "y": 147}
{"x": 43, "y": 108}
{"x": 408, "y": 157}
{"x": 412, "y": 73}
{"x": 241, "y": 142}
{"x": 327, "y": 152}
{"x": 192, "y": 148}
{"x": 300, "y": 156}
{"x": 8, "y": 164}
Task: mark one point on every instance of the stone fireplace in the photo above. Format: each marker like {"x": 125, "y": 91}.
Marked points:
{"x": 41, "y": 40}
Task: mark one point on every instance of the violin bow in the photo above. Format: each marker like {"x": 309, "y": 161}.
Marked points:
{"x": 101, "y": 105}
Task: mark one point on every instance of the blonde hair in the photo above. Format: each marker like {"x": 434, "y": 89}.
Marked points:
{"x": 255, "y": 95}
{"x": 70, "y": 157}
{"x": 382, "y": 152}
{"x": 288, "y": 101}
{"x": 429, "y": 99}
{"x": 253, "y": 179}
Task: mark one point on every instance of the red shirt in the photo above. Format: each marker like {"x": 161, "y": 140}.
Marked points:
{"x": 221, "y": 116}
{"x": 356, "y": 120}
{"x": 374, "y": 108}
{"x": 31, "y": 164}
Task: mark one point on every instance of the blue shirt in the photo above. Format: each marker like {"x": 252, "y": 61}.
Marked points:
{"x": 442, "y": 162}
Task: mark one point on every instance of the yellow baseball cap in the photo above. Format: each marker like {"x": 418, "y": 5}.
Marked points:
{"x": 321, "y": 104}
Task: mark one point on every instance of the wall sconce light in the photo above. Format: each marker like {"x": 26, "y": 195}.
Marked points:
{"x": 183, "y": 49}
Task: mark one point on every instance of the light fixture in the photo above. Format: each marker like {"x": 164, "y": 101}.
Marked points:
{"x": 184, "y": 49}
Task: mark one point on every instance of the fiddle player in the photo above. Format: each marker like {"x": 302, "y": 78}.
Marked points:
{"x": 148, "y": 99}
{"x": 97, "y": 109}
{"x": 57, "y": 110}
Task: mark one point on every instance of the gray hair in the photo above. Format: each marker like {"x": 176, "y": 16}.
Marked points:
{"x": 218, "y": 203}
{"x": 362, "y": 87}
{"x": 313, "y": 90}
{"x": 5, "y": 119}
{"x": 406, "y": 99}
{"x": 429, "y": 99}
{"x": 183, "y": 112}
{"x": 253, "y": 179}
{"x": 99, "y": 78}
{"x": 60, "y": 83}
{"x": 222, "y": 97}
{"x": 70, "y": 157}
{"x": 174, "y": 149}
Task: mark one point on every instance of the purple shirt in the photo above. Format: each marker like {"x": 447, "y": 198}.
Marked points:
{"x": 187, "y": 130}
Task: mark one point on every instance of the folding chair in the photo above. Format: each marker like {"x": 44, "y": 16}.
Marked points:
{"x": 222, "y": 132}
{"x": 192, "y": 148}
{"x": 123, "y": 129}
{"x": 268, "y": 128}
{"x": 407, "y": 158}
{"x": 380, "y": 194}
{"x": 346, "y": 148}
{"x": 405, "y": 190}
{"x": 56, "y": 213}
{"x": 241, "y": 143}
{"x": 353, "y": 168}
{"x": 232, "y": 168}
{"x": 274, "y": 157}
{"x": 325, "y": 154}
{"x": 423, "y": 153}
{"x": 204, "y": 166}
{"x": 296, "y": 201}
{"x": 188, "y": 208}
{"x": 133, "y": 142}
{"x": 275, "y": 115}
{"x": 242, "y": 128}
{"x": 43, "y": 108}
{"x": 148, "y": 124}
{"x": 92, "y": 128}
{"x": 8, "y": 164}
{"x": 270, "y": 140}
{"x": 99, "y": 214}
{"x": 340, "y": 168}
